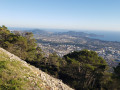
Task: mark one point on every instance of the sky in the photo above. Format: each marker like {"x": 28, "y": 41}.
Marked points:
{"x": 61, "y": 14}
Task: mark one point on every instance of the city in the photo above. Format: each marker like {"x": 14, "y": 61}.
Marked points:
{"x": 63, "y": 44}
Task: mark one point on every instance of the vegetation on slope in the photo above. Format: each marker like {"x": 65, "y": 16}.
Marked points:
{"x": 16, "y": 74}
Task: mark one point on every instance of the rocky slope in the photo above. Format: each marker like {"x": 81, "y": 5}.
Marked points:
{"x": 17, "y": 74}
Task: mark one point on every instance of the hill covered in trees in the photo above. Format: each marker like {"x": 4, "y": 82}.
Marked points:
{"x": 82, "y": 70}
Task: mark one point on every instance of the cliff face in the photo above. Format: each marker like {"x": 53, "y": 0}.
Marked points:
{"x": 17, "y": 74}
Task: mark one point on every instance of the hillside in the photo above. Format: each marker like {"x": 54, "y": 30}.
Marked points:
{"x": 17, "y": 74}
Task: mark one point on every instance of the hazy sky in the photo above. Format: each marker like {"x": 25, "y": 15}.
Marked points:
{"x": 65, "y": 14}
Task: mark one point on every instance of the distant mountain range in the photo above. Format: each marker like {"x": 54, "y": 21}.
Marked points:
{"x": 70, "y": 33}
{"x": 53, "y": 32}
{"x": 78, "y": 34}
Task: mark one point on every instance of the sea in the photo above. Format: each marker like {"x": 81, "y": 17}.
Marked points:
{"x": 106, "y": 35}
